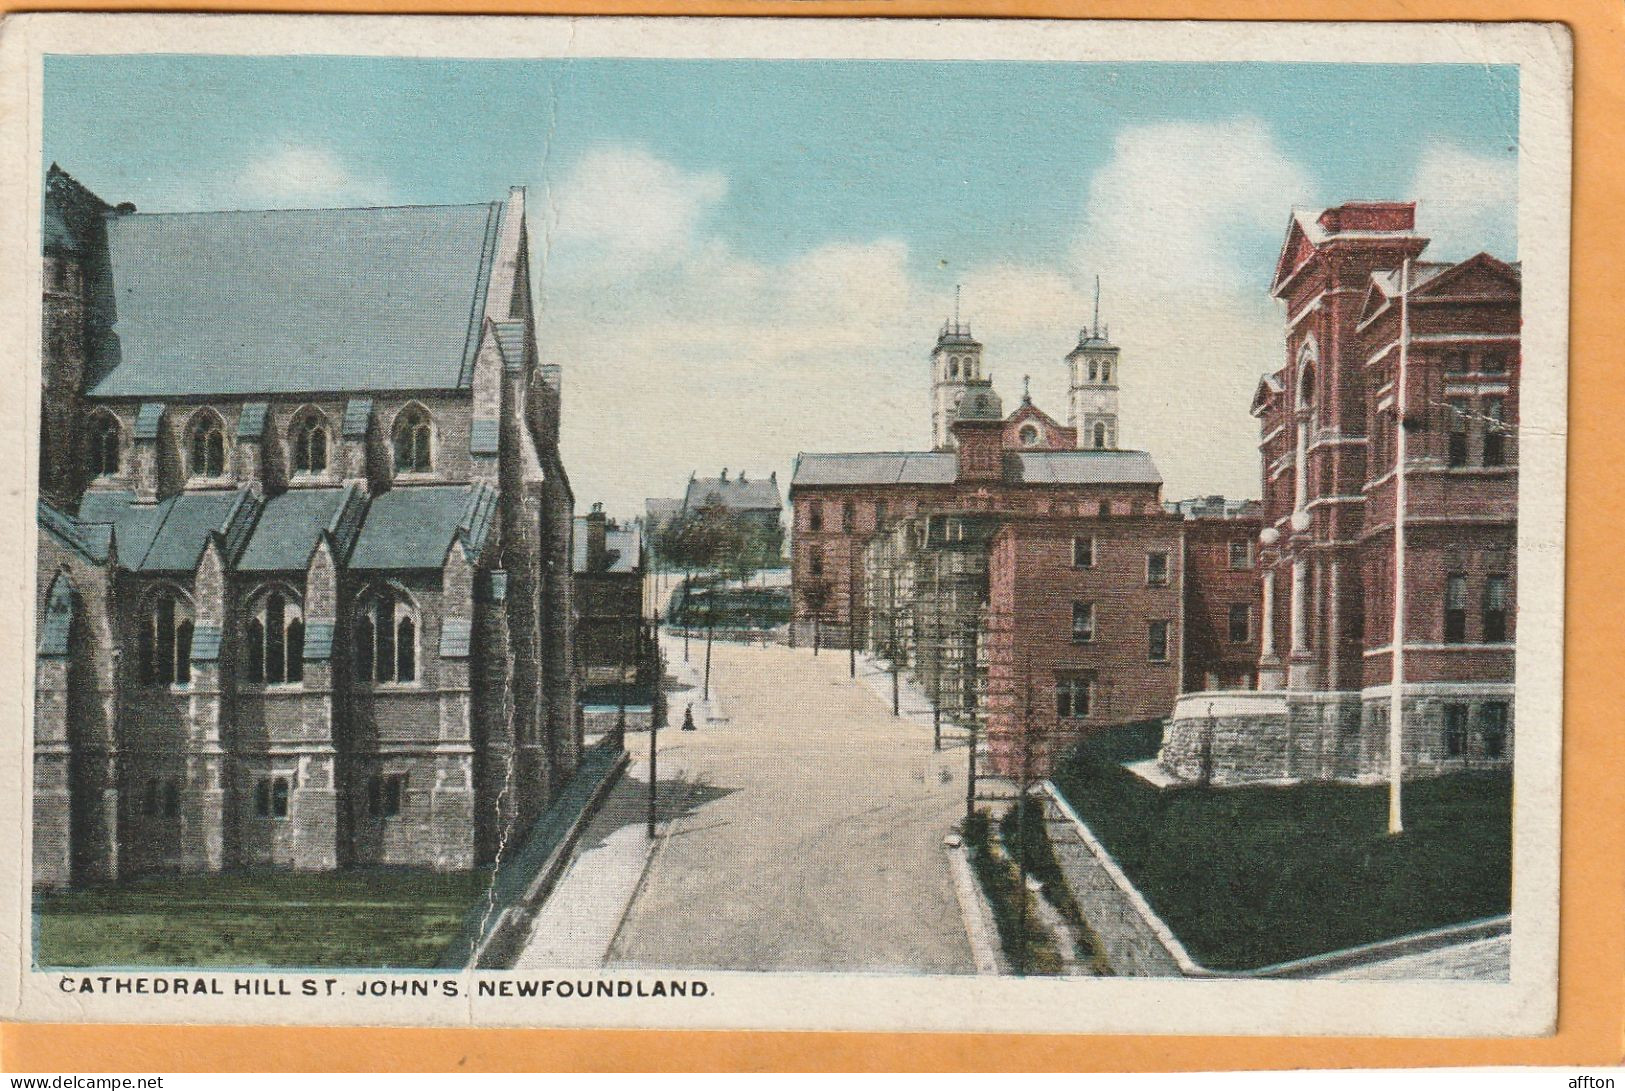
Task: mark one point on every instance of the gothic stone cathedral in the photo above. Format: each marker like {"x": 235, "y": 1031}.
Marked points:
{"x": 304, "y": 536}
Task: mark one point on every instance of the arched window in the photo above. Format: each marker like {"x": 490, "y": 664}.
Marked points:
{"x": 953, "y": 368}
{"x": 309, "y": 443}
{"x": 386, "y": 643}
{"x": 1105, "y": 371}
{"x": 1094, "y": 369}
{"x": 1029, "y": 435}
{"x": 1100, "y": 437}
{"x": 274, "y": 640}
{"x": 208, "y": 446}
{"x": 412, "y": 440}
{"x": 106, "y": 442}
{"x": 164, "y": 643}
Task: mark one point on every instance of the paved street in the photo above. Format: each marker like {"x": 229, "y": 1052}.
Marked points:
{"x": 805, "y": 831}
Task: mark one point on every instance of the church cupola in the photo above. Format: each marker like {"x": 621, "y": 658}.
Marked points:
{"x": 956, "y": 366}
{"x": 1092, "y": 384}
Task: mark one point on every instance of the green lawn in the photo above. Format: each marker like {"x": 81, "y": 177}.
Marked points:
{"x": 374, "y": 918}
{"x": 1247, "y": 877}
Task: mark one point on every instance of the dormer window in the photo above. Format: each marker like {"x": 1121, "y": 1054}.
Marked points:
{"x": 412, "y": 441}
{"x": 310, "y": 444}
{"x": 208, "y": 446}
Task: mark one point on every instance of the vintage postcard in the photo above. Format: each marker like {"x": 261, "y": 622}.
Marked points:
{"x": 785, "y": 524}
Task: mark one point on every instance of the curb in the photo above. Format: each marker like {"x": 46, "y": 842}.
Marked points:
{"x": 980, "y": 928}
{"x": 507, "y": 936}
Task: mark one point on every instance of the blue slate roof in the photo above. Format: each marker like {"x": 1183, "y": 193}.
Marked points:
{"x": 251, "y": 421}
{"x": 414, "y": 526}
{"x": 57, "y": 625}
{"x": 384, "y": 299}
{"x": 289, "y": 527}
{"x": 318, "y": 641}
{"x": 147, "y": 419}
{"x": 455, "y": 636}
{"x": 483, "y": 437}
{"x": 206, "y": 644}
{"x": 93, "y": 541}
{"x": 357, "y": 416}
{"x": 170, "y": 536}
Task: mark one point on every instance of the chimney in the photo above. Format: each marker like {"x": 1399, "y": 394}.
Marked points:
{"x": 980, "y": 449}
{"x": 725, "y": 475}
{"x": 597, "y": 546}
{"x": 741, "y": 477}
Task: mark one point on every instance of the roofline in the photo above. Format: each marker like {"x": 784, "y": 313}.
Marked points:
{"x": 116, "y": 215}
{"x": 344, "y": 393}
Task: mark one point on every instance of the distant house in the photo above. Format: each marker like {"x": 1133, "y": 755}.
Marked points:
{"x": 752, "y": 502}
{"x": 607, "y": 563}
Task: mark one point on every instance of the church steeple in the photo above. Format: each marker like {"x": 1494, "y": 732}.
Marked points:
{"x": 1093, "y": 369}
{"x": 956, "y": 367}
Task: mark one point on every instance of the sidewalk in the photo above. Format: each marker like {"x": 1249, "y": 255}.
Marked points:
{"x": 688, "y": 680}
{"x": 579, "y": 919}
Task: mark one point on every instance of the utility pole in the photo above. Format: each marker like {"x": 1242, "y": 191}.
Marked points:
{"x": 975, "y": 723}
{"x": 937, "y": 632}
{"x": 1396, "y": 707}
{"x": 1024, "y": 778}
{"x": 688, "y": 589}
{"x": 851, "y": 616}
{"x": 657, "y": 715}
{"x": 710, "y": 629}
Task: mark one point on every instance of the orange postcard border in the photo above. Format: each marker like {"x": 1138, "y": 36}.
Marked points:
{"x": 1591, "y": 984}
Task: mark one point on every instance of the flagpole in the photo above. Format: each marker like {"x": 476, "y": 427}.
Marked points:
{"x": 1396, "y": 706}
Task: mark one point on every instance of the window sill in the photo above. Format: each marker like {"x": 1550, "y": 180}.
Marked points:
{"x": 270, "y": 687}
{"x": 221, "y": 482}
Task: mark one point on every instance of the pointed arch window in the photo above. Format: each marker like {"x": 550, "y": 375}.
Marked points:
{"x": 208, "y": 446}
{"x": 310, "y": 443}
{"x": 386, "y": 640}
{"x": 106, "y": 444}
{"x": 274, "y": 641}
{"x": 164, "y": 643}
{"x": 413, "y": 436}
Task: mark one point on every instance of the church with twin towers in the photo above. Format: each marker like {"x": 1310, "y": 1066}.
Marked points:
{"x": 1092, "y": 390}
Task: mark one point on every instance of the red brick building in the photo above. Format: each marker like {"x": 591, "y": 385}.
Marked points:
{"x": 1221, "y": 592}
{"x": 1362, "y": 311}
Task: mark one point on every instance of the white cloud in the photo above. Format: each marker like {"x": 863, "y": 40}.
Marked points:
{"x": 707, "y": 358}
{"x": 622, "y": 204}
{"x": 303, "y": 176}
{"x": 1164, "y": 215}
{"x": 1466, "y": 203}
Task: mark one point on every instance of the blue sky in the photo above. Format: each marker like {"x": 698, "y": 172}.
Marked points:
{"x": 742, "y": 207}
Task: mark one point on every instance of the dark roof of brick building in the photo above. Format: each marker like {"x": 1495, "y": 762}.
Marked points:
{"x": 1081, "y": 467}
{"x": 293, "y": 301}
{"x": 735, "y": 494}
